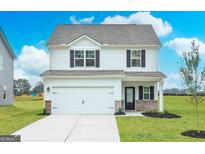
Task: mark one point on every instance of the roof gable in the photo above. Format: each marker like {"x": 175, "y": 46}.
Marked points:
{"x": 84, "y": 36}
{"x": 106, "y": 34}
{"x": 7, "y": 44}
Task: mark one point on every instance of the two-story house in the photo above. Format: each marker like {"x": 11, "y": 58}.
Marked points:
{"x": 7, "y": 57}
{"x": 96, "y": 69}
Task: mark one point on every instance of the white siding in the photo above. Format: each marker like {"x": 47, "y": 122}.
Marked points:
{"x": 82, "y": 82}
{"x": 110, "y": 57}
{"x": 59, "y": 59}
{"x": 6, "y": 74}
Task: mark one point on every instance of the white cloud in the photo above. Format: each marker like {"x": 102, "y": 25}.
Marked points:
{"x": 169, "y": 85}
{"x": 184, "y": 44}
{"x": 117, "y": 19}
{"x": 87, "y": 20}
{"x": 73, "y": 20}
{"x": 21, "y": 74}
{"x": 172, "y": 81}
{"x": 30, "y": 64}
{"x": 41, "y": 43}
{"x": 161, "y": 27}
{"x": 32, "y": 60}
{"x": 174, "y": 76}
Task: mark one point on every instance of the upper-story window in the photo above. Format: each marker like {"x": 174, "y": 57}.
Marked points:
{"x": 79, "y": 58}
{"x": 135, "y": 58}
{"x": 1, "y": 63}
{"x": 84, "y": 58}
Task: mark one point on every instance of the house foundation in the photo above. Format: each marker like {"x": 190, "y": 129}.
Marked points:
{"x": 142, "y": 105}
{"x": 48, "y": 107}
{"x": 119, "y": 104}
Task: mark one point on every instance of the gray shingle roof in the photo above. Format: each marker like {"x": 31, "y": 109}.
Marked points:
{"x": 81, "y": 72}
{"x": 111, "y": 34}
{"x": 101, "y": 72}
{"x": 145, "y": 74}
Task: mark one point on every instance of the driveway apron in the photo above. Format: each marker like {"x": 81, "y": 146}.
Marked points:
{"x": 72, "y": 128}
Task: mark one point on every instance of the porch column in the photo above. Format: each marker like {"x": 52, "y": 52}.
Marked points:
{"x": 161, "y": 103}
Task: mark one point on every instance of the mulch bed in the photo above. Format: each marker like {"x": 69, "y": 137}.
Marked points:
{"x": 42, "y": 114}
{"x": 119, "y": 113}
{"x": 194, "y": 133}
{"x": 161, "y": 115}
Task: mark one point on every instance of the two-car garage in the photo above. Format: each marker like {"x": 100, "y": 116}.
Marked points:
{"x": 82, "y": 100}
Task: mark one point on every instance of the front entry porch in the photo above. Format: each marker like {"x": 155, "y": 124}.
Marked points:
{"x": 141, "y": 96}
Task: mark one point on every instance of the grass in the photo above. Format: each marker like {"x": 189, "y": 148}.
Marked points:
{"x": 147, "y": 129}
{"x": 24, "y": 111}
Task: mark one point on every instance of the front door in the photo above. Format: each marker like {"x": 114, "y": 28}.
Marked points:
{"x": 129, "y": 98}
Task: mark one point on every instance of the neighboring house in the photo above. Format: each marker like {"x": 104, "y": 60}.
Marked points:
{"x": 7, "y": 57}
{"x": 96, "y": 69}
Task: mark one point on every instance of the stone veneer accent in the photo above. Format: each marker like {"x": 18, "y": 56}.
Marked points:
{"x": 118, "y": 104}
{"x": 142, "y": 105}
{"x": 48, "y": 106}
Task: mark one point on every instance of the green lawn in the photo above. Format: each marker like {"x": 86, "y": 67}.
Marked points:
{"x": 144, "y": 129}
{"x": 24, "y": 112}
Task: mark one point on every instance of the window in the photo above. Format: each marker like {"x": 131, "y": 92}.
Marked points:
{"x": 79, "y": 58}
{"x": 90, "y": 58}
{"x": 1, "y": 63}
{"x": 5, "y": 93}
{"x": 146, "y": 93}
{"x": 136, "y": 58}
{"x": 84, "y": 58}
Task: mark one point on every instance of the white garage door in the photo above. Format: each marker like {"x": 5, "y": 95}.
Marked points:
{"x": 83, "y": 100}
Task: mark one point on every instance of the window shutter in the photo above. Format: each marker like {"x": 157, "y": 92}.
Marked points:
{"x": 128, "y": 57}
{"x": 140, "y": 92}
{"x": 97, "y": 58}
{"x": 152, "y": 92}
{"x": 143, "y": 58}
{"x": 71, "y": 58}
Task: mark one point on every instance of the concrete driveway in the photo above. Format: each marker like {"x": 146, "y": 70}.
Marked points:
{"x": 68, "y": 128}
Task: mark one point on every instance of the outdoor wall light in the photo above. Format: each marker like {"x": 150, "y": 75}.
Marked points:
{"x": 48, "y": 89}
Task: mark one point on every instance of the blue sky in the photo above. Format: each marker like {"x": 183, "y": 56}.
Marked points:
{"x": 29, "y": 31}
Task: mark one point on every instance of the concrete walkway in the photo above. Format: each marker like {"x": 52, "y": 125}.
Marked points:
{"x": 69, "y": 128}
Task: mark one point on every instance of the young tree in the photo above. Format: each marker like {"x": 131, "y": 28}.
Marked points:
{"x": 38, "y": 87}
{"x": 193, "y": 78}
{"x": 21, "y": 86}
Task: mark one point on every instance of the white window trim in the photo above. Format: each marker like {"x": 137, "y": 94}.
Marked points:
{"x": 84, "y": 36}
{"x": 146, "y": 92}
{"x": 84, "y": 59}
{"x": 4, "y": 90}
{"x": 136, "y": 58}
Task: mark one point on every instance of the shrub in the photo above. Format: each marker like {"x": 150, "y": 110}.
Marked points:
{"x": 120, "y": 110}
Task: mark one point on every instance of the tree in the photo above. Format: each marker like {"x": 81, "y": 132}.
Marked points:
{"x": 21, "y": 86}
{"x": 174, "y": 91}
{"x": 38, "y": 88}
{"x": 193, "y": 78}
